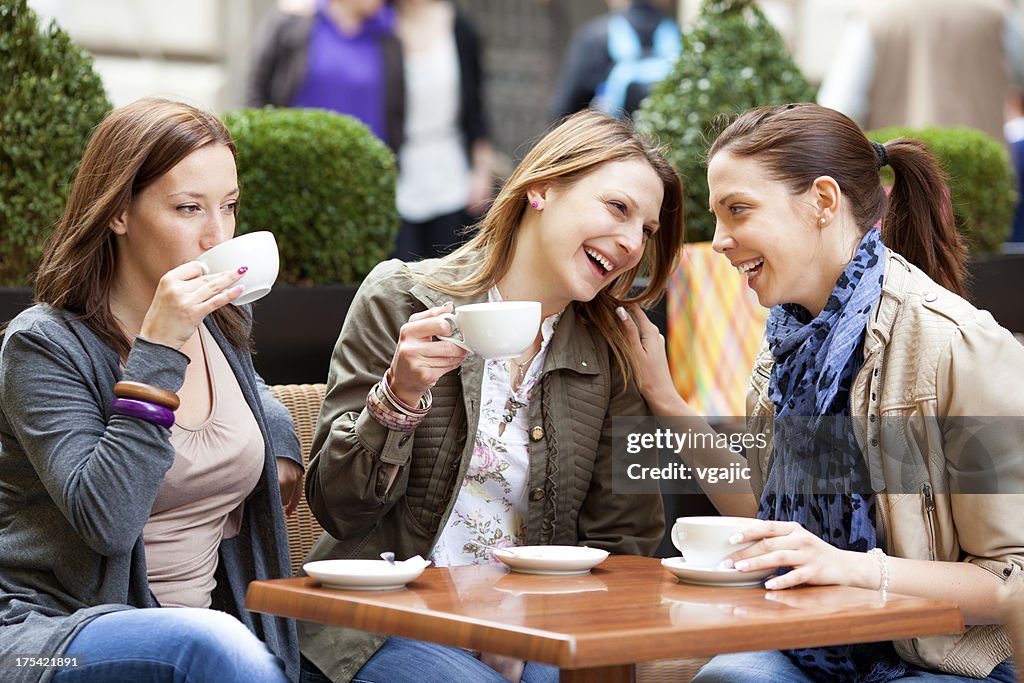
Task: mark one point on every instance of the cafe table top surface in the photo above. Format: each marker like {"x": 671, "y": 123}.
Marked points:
{"x": 627, "y": 609}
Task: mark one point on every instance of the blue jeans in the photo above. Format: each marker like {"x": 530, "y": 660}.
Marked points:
{"x": 169, "y": 645}
{"x": 774, "y": 667}
{"x": 400, "y": 660}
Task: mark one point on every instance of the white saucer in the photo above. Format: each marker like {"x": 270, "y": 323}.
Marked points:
{"x": 710, "y": 576}
{"x": 556, "y": 560}
{"x": 365, "y": 575}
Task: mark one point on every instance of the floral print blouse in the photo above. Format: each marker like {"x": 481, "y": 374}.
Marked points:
{"x": 491, "y": 505}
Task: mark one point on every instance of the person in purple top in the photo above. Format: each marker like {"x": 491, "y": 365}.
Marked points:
{"x": 344, "y": 57}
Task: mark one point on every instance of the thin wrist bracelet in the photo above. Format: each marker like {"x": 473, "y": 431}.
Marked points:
{"x": 883, "y": 568}
{"x": 147, "y": 392}
{"x": 422, "y": 408}
{"x": 143, "y": 410}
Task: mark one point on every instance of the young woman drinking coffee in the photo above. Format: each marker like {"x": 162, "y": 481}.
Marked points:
{"x": 421, "y": 450}
{"x": 143, "y": 463}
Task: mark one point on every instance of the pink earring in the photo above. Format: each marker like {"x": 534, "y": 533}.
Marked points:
{"x": 535, "y": 204}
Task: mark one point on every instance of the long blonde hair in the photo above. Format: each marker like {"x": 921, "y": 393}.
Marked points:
{"x": 573, "y": 149}
{"x": 129, "y": 150}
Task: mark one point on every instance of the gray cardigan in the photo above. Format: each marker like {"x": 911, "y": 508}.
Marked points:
{"x": 77, "y": 486}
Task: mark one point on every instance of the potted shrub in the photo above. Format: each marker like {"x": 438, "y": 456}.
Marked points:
{"x": 50, "y": 100}
{"x": 984, "y": 195}
{"x": 325, "y": 186}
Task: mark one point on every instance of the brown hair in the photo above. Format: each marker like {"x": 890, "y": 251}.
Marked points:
{"x": 129, "y": 150}
{"x": 573, "y": 149}
{"x": 799, "y": 143}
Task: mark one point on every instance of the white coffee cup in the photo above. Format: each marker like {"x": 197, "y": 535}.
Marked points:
{"x": 255, "y": 250}
{"x": 497, "y": 329}
{"x": 704, "y": 541}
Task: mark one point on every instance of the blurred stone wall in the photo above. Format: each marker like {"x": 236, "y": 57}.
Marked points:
{"x": 524, "y": 45}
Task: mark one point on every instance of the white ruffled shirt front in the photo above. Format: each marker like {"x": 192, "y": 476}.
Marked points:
{"x": 491, "y": 505}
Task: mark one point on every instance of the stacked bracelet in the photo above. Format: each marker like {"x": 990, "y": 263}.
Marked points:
{"x": 148, "y": 393}
{"x": 883, "y": 568}
{"x": 387, "y": 409}
{"x": 143, "y": 410}
{"x": 145, "y": 402}
{"x": 426, "y": 400}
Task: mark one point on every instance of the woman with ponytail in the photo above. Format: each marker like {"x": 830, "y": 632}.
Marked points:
{"x": 873, "y": 377}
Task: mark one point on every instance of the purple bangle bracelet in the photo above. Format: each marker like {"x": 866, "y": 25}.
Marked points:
{"x": 142, "y": 410}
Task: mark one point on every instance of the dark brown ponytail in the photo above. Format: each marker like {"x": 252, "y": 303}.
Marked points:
{"x": 919, "y": 223}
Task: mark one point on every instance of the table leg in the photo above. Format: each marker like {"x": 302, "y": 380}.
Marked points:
{"x": 622, "y": 673}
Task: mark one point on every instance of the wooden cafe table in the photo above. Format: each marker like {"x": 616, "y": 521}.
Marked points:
{"x": 596, "y": 626}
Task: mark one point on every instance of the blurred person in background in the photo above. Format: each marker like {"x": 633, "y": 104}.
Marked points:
{"x": 340, "y": 55}
{"x": 927, "y": 63}
{"x": 639, "y": 38}
{"x": 445, "y": 163}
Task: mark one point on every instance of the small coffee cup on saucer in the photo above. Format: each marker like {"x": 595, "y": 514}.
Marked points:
{"x": 257, "y": 251}
{"x": 704, "y": 541}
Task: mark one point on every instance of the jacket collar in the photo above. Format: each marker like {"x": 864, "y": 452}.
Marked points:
{"x": 894, "y": 283}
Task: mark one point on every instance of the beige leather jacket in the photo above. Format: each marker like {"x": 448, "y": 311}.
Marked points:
{"x": 929, "y": 354}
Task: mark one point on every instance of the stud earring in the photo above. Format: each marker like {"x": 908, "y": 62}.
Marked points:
{"x": 535, "y": 204}
{"x": 822, "y": 220}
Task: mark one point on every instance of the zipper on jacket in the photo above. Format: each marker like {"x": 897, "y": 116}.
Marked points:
{"x": 929, "y": 509}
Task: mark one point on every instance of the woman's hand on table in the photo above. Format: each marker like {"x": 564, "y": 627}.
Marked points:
{"x": 420, "y": 359}
{"x": 811, "y": 561}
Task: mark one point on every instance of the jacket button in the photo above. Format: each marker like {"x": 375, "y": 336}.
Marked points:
{"x": 930, "y": 296}
{"x": 537, "y": 494}
{"x": 874, "y": 442}
{"x": 873, "y": 418}
{"x": 537, "y": 433}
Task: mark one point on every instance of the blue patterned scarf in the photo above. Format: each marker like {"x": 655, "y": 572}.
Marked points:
{"x": 818, "y": 476}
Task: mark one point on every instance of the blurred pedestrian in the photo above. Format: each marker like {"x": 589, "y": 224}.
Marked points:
{"x": 614, "y": 59}
{"x": 343, "y": 56}
{"x": 927, "y": 63}
{"x": 445, "y": 163}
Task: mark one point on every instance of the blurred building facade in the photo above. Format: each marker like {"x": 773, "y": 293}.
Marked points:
{"x": 199, "y": 50}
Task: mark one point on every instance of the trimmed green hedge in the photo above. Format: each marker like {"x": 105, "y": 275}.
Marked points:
{"x": 323, "y": 184}
{"x": 981, "y": 180}
{"x": 50, "y": 101}
{"x": 733, "y": 60}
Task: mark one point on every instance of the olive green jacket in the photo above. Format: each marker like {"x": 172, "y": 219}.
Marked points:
{"x": 374, "y": 490}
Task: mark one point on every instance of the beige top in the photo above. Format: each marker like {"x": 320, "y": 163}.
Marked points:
{"x": 939, "y": 63}
{"x": 217, "y": 464}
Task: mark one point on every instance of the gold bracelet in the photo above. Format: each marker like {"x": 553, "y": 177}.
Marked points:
{"x": 147, "y": 392}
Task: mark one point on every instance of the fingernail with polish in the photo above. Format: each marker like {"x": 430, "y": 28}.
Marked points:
{"x": 725, "y": 564}
{"x": 243, "y": 270}
{"x": 736, "y": 538}
{"x": 621, "y": 312}
{"x": 742, "y": 564}
{"x": 771, "y": 584}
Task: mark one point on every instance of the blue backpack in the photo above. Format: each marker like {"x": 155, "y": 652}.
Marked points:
{"x": 634, "y": 69}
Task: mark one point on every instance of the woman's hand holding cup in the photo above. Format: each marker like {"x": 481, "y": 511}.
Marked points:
{"x": 420, "y": 360}
{"x": 184, "y": 297}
